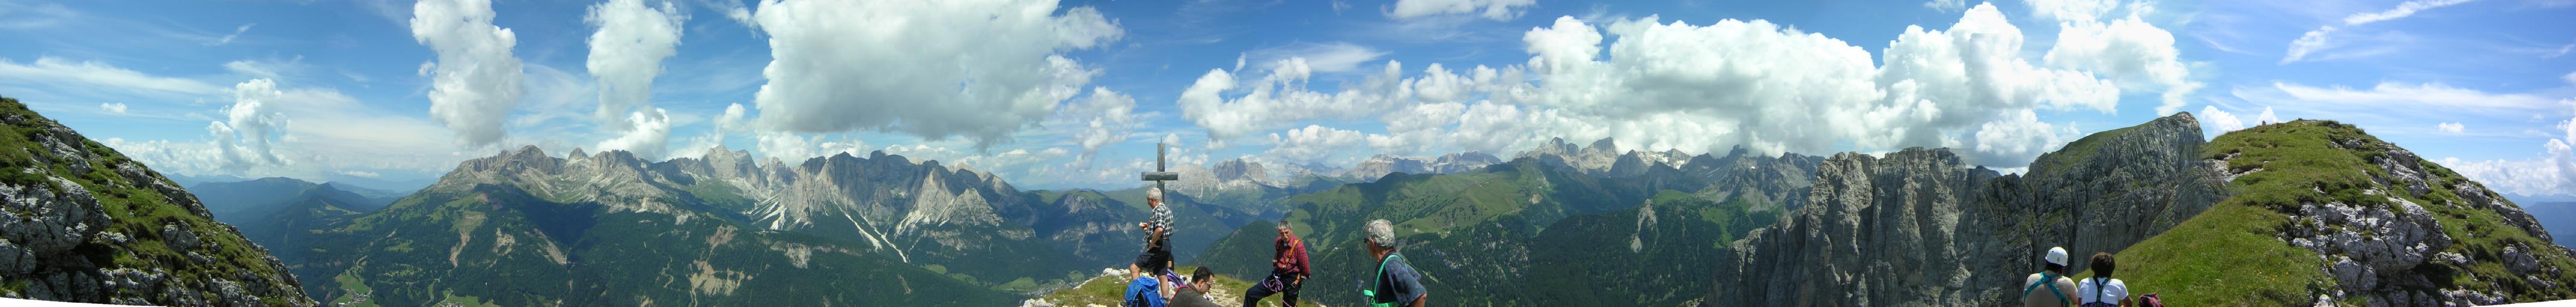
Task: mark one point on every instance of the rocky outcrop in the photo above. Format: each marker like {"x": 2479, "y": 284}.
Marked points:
{"x": 80, "y": 222}
{"x": 1918, "y": 227}
{"x": 2379, "y": 245}
{"x": 1240, "y": 170}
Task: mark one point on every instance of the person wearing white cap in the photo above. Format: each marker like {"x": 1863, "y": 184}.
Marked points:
{"x": 2049, "y": 287}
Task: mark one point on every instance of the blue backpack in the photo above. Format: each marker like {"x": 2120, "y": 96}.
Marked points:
{"x": 1144, "y": 292}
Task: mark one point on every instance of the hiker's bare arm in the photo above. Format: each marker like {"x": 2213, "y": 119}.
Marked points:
{"x": 1422, "y": 300}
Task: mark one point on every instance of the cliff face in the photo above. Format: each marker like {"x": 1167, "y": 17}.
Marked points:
{"x": 80, "y": 222}
{"x": 1918, "y": 227}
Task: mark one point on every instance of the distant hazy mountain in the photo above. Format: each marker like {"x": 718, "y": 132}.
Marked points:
{"x": 250, "y": 202}
{"x": 242, "y": 200}
{"x": 524, "y": 228}
{"x": 1535, "y": 231}
{"x": 2558, "y": 217}
{"x": 84, "y": 223}
{"x": 1381, "y": 165}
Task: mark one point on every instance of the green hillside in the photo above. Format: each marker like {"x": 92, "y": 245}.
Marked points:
{"x": 2236, "y": 254}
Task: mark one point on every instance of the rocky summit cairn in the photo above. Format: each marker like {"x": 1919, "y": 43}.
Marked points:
{"x": 80, "y": 222}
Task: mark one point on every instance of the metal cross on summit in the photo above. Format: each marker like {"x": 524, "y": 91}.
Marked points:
{"x": 1160, "y": 175}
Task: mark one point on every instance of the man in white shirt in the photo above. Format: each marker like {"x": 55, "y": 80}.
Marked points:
{"x": 2101, "y": 290}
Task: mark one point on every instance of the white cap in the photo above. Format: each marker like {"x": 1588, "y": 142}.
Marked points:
{"x": 2057, "y": 256}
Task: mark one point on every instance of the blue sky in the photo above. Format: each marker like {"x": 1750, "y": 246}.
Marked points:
{"x": 1074, "y": 93}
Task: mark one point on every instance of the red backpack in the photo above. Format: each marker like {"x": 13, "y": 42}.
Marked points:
{"x": 2150, "y": 300}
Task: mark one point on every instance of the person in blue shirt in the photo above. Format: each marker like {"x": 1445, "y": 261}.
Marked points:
{"x": 1397, "y": 284}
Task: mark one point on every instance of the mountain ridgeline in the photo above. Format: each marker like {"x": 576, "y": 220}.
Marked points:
{"x": 1917, "y": 227}
{"x": 2298, "y": 213}
{"x": 1545, "y": 229}
{"x": 80, "y": 222}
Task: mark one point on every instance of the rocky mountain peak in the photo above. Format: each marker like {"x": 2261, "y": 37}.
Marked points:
{"x": 1918, "y": 227}
{"x": 1240, "y": 170}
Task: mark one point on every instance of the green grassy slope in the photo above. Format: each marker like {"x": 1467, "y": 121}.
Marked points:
{"x": 2233, "y": 255}
{"x": 139, "y": 204}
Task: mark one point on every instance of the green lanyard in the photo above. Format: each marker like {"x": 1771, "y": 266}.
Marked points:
{"x": 1371, "y": 292}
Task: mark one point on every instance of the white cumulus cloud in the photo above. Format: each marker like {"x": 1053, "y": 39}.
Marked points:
{"x": 2130, "y": 51}
{"x": 979, "y": 69}
{"x": 2452, "y": 128}
{"x": 649, "y": 135}
{"x": 627, "y": 52}
{"x": 476, "y": 81}
{"x": 2553, "y": 172}
{"x": 112, "y": 108}
{"x": 1103, "y": 118}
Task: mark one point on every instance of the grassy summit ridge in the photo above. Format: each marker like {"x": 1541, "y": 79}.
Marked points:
{"x": 2248, "y": 249}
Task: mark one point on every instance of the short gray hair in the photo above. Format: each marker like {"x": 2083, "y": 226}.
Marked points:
{"x": 1283, "y": 224}
{"x": 1381, "y": 233}
{"x": 1154, "y": 193}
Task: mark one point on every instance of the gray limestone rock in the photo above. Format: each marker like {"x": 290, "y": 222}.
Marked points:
{"x": 1918, "y": 227}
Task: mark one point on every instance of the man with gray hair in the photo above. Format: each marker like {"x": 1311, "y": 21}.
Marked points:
{"x": 1157, "y": 258}
{"x": 1397, "y": 283}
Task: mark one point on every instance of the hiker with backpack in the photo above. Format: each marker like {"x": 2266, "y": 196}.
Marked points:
{"x": 1397, "y": 283}
{"x": 2049, "y": 287}
{"x": 2101, "y": 290}
{"x": 1157, "y": 258}
{"x": 1288, "y": 270}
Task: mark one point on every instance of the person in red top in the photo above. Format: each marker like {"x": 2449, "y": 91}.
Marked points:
{"x": 1287, "y": 271}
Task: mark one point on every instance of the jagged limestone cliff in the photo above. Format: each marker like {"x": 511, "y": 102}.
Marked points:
{"x": 1918, "y": 227}
{"x": 80, "y": 222}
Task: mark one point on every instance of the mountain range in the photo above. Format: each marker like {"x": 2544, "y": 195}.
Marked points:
{"x": 2297, "y": 213}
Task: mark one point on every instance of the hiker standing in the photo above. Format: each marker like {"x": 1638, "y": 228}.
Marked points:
{"x": 1157, "y": 258}
{"x": 1397, "y": 283}
{"x": 2101, "y": 290}
{"x": 1288, "y": 270}
{"x": 2049, "y": 287}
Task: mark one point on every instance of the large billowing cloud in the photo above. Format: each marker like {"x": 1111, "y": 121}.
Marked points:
{"x": 249, "y": 134}
{"x": 626, "y": 54}
{"x": 1774, "y": 89}
{"x": 475, "y": 79}
{"x": 1701, "y": 88}
{"x": 2136, "y": 54}
{"x": 978, "y": 69}
{"x": 1279, "y": 98}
